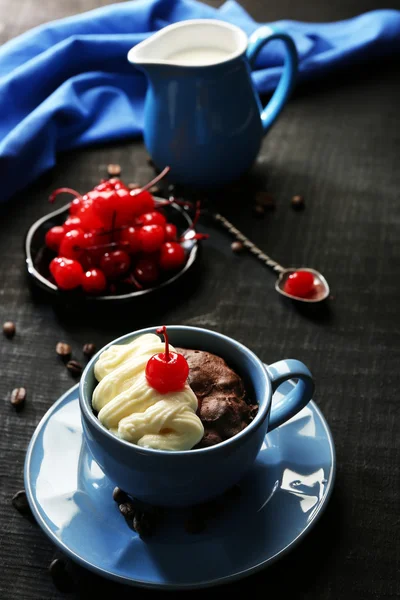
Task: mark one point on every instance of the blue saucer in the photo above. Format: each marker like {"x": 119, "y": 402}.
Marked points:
{"x": 282, "y": 497}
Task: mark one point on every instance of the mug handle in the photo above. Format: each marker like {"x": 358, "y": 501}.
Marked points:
{"x": 257, "y": 40}
{"x": 297, "y": 398}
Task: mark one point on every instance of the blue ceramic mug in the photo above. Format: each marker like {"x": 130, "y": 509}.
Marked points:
{"x": 202, "y": 114}
{"x": 188, "y": 477}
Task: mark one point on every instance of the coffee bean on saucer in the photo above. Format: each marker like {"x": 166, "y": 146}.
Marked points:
{"x": 297, "y": 202}
{"x": 133, "y": 186}
{"x": 20, "y": 502}
{"x": 119, "y": 496}
{"x": 258, "y": 211}
{"x": 88, "y": 350}
{"x": 266, "y": 200}
{"x": 63, "y": 350}
{"x": 127, "y": 510}
{"x": 154, "y": 189}
{"x": 75, "y": 368}
{"x": 60, "y": 576}
{"x": 18, "y": 396}
{"x": 114, "y": 170}
{"x": 195, "y": 524}
{"x": 143, "y": 525}
{"x": 237, "y": 247}
{"x": 9, "y": 329}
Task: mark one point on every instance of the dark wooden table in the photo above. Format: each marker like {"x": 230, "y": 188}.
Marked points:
{"x": 338, "y": 144}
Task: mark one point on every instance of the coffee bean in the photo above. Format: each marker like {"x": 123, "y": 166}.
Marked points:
{"x": 195, "y": 525}
{"x": 133, "y": 186}
{"x": 154, "y": 189}
{"x": 143, "y": 524}
{"x": 120, "y": 496}
{"x": 266, "y": 200}
{"x": 127, "y": 510}
{"x": 9, "y": 329}
{"x": 237, "y": 247}
{"x": 18, "y": 396}
{"x": 258, "y": 210}
{"x": 20, "y": 502}
{"x": 63, "y": 350}
{"x": 60, "y": 576}
{"x": 88, "y": 350}
{"x": 297, "y": 202}
{"x": 114, "y": 170}
{"x": 74, "y": 367}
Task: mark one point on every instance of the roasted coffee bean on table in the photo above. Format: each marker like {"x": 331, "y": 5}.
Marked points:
{"x": 266, "y": 200}
{"x": 114, "y": 170}
{"x": 18, "y": 397}
{"x": 237, "y": 247}
{"x": 63, "y": 350}
{"x": 20, "y": 503}
{"x": 89, "y": 350}
{"x": 74, "y": 367}
{"x": 60, "y": 576}
{"x": 297, "y": 202}
{"x": 9, "y": 329}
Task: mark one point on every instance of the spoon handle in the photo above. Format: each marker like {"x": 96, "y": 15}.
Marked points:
{"x": 258, "y": 253}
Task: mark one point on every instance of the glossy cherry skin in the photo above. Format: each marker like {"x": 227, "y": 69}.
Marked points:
{"x": 172, "y": 256}
{"x": 142, "y": 202}
{"x": 130, "y": 240}
{"x": 152, "y": 218}
{"x": 167, "y": 371}
{"x": 54, "y": 237}
{"x": 72, "y": 244}
{"x": 151, "y": 237}
{"x": 147, "y": 271}
{"x": 171, "y": 232}
{"x": 94, "y": 281}
{"x": 300, "y": 284}
{"x": 67, "y": 273}
{"x": 114, "y": 264}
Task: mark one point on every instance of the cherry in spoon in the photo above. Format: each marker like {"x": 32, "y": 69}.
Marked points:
{"x": 303, "y": 284}
{"x": 167, "y": 371}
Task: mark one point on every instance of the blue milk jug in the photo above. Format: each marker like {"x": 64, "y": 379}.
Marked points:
{"x": 202, "y": 114}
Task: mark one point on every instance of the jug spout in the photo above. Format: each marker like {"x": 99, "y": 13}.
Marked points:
{"x": 192, "y": 43}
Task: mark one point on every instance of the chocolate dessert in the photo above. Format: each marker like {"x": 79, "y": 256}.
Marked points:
{"x": 224, "y": 407}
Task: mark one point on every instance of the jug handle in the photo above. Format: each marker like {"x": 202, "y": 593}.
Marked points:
{"x": 257, "y": 40}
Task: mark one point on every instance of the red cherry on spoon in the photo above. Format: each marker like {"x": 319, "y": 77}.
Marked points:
{"x": 167, "y": 371}
{"x": 300, "y": 284}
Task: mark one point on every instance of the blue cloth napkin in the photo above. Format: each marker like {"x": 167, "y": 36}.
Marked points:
{"x": 68, "y": 84}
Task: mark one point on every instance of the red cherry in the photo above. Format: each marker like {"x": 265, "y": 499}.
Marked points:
{"x": 151, "y": 237}
{"x": 72, "y": 223}
{"x": 142, "y": 202}
{"x": 54, "y": 236}
{"x": 171, "y": 232}
{"x": 300, "y": 284}
{"x": 66, "y": 272}
{"x": 146, "y": 270}
{"x": 172, "y": 256}
{"x": 115, "y": 263}
{"x": 167, "y": 371}
{"x": 72, "y": 244}
{"x": 152, "y": 218}
{"x": 105, "y": 186}
{"x": 94, "y": 281}
{"x": 117, "y": 184}
{"x": 130, "y": 240}
{"x": 89, "y": 219}
{"x": 75, "y": 206}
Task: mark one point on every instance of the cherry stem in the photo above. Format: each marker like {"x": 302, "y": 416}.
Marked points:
{"x": 64, "y": 190}
{"x": 163, "y": 331}
{"x": 196, "y": 215}
{"x": 156, "y": 179}
{"x": 132, "y": 280}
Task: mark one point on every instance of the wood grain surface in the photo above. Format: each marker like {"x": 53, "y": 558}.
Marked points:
{"x": 338, "y": 144}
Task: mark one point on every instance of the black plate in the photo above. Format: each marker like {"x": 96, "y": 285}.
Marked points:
{"x": 38, "y": 257}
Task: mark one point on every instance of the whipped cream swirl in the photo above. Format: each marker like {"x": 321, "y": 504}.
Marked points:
{"x": 134, "y": 411}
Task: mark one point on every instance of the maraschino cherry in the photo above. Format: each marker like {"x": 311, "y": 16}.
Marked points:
{"x": 300, "y": 284}
{"x": 167, "y": 371}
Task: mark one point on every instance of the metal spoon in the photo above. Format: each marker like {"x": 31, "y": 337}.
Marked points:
{"x": 321, "y": 287}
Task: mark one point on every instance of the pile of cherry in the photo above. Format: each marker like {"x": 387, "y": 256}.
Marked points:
{"x": 113, "y": 234}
